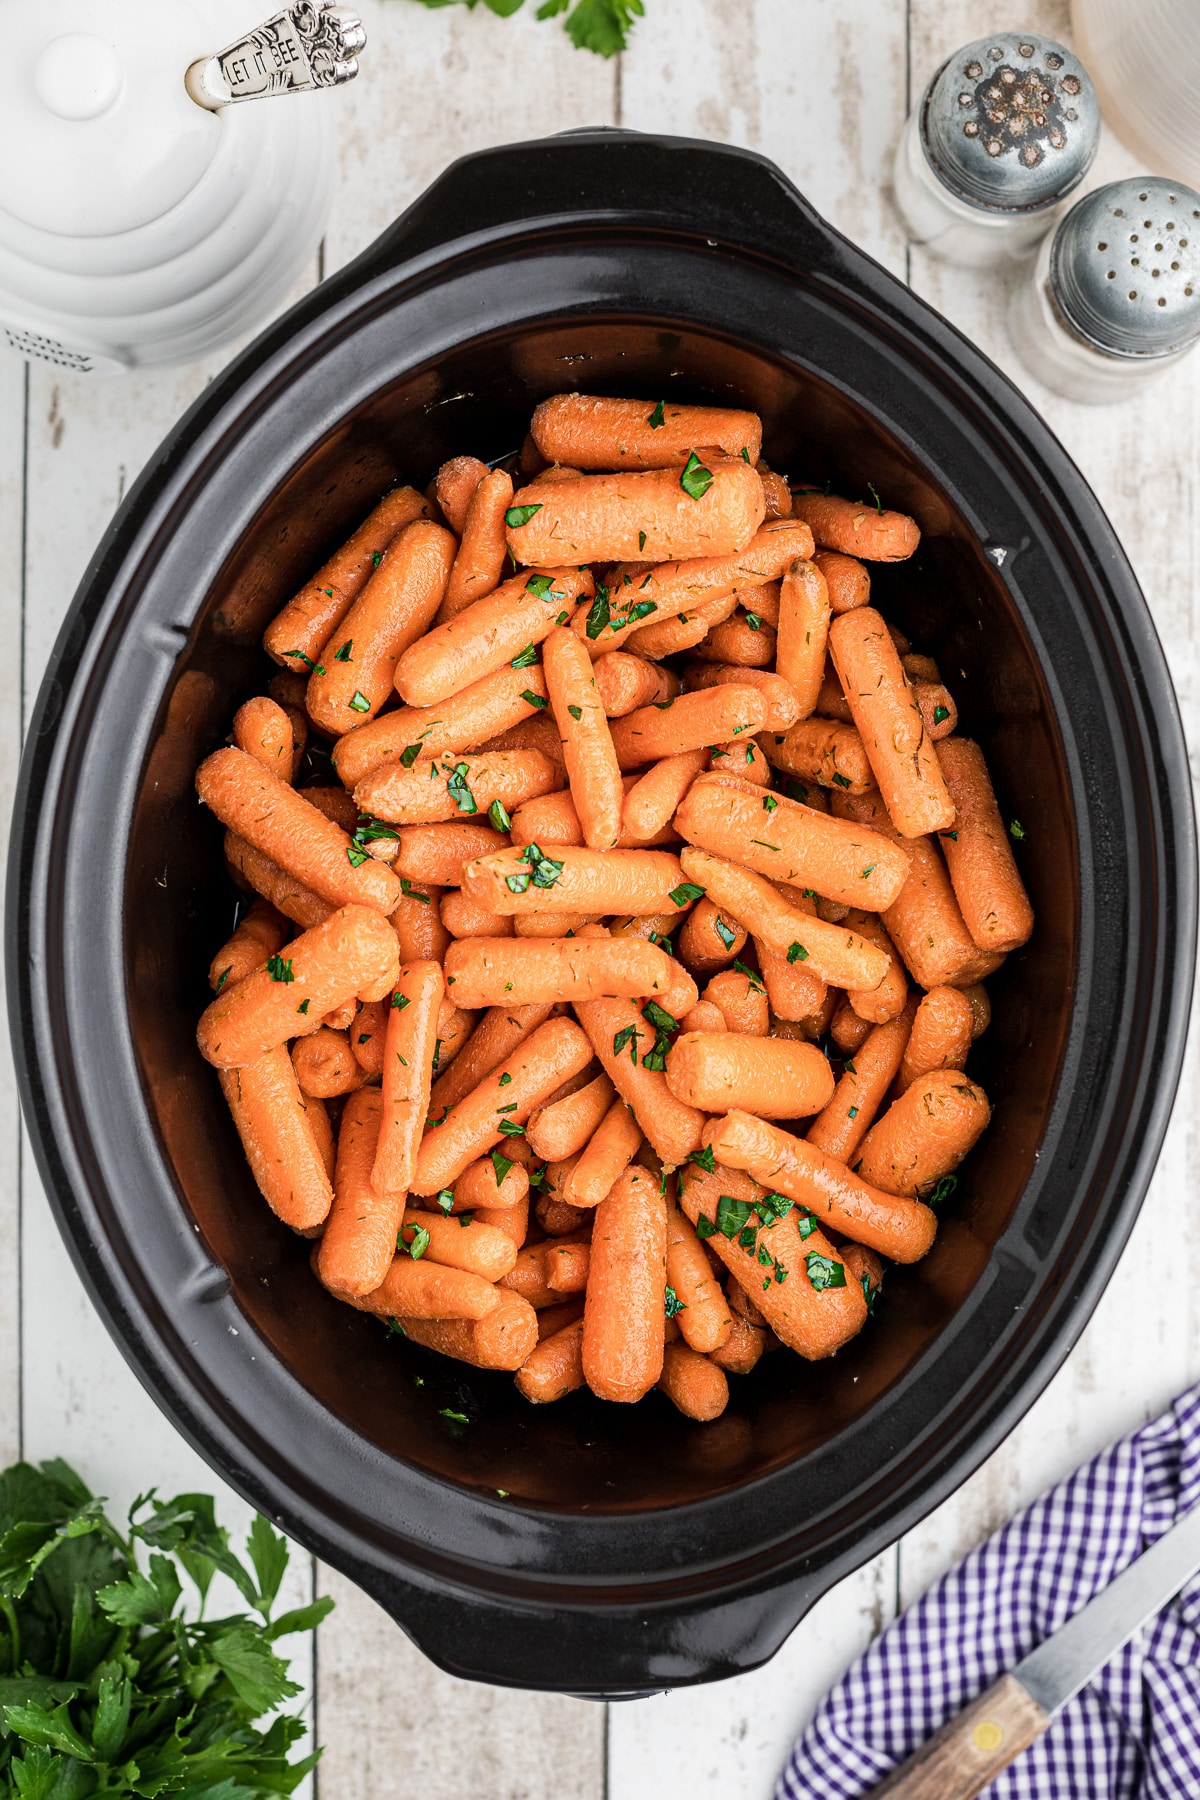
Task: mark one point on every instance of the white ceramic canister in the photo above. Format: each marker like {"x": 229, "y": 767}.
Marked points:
{"x": 1145, "y": 58}
{"x": 141, "y": 225}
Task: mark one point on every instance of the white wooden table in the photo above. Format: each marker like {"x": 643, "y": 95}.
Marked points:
{"x": 822, "y": 86}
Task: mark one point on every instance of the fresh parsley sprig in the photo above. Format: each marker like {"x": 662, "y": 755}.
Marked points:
{"x": 599, "y": 25}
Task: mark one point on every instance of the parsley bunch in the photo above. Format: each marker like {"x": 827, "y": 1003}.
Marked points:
{"x": 105, "y": 1686}
{"x": 599, "y": 25}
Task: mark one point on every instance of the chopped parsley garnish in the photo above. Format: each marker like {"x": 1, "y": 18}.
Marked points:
{"x": 797, "y": 953}
{"x": 303, "y": 1006}
{"x": 769, "y": 803}
{"x": 400, "y": 1001}
{"x": 732, "y": 1215}
{"x": 510, "y": 1128}
{"x": 806, "y": 1225}
{"x": 409, "y": 756}
{"x": 346, "y": 651}
{"x": 279, "y": 970}
{"x": 222, "y": 978}
{"x": 446, "y": 1412}
{"x": 753, "y": 621}
{"x": 764, "y": 844}
{"x": 755, "y": 981}
{"x": 627, "y": 1038}
{"x": 939, "y": 714}
{"x": 685, "y": 893}
{"x": 869, "y": 870}
{"x": 576, "y": 712}
{"x": 840, "y": 781}
{"x": 745, "y": 454}
{"x": 526, "y": 659}
{"x": 539, "y": 586}
{"x": 445, "y": 1201}
{"x": 823, "y": 1272}
{"x": 504, "y": 1079}
{"x": 306, "y": 660}
{"x": 355, "y": 857}
{"x": 545, "y": 871}
{"x": 641, "y": 544}
{"x": 417, "y": 1245}
{"x": 531, "y": 699}
{"x": 516, "y": 516}
{"x": 870, "y": 1294}
{"x": 599, "y": 613}
{"x": 727, "y": 937}
{"x": 672, "y": 1304}
{"x": 458, "y": 790}
{"x": 465, "y": 1219}
{"x": 705, "y": 1227}
{"x": 498, "y": 816}
{"x": 704, "y": 1159}
{"x": 359, "y": 702}
{"x": 658, "y": 416}
{"x": 410, "y": 892}
{"x": 517, "y": 884}
{"x": 695, "y": 479}
{"x": 659, "y": 1017}
{"x": 376, "y": 558}
{"x": 773, "y": 1207}
{"x": 941, "y": 1190}
{"x": 501, "y": 1164}
{"x": 1016, "y": 829}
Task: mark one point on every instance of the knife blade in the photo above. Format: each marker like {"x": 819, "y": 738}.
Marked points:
{"x": 970, "y": 1750}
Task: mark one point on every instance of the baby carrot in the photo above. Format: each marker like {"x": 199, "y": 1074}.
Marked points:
{"x": 460, "y": 1243}
{"x": 693, "y": 1384}
{"x": 783, "y": 708}
{"x": 407, "y": 1074}
{"x": 480, "y": 560}
{"x": 592, "y": 772}
{"x": 489, "y": 634}
{"x": 278, "y": 1137}
{"x": 463, "y": 919}
{"x": 886, "y": 1000}
{"x": 550, "y": 819}
{"x": 940, "y": 1037}
{"x": 591, "y": 433}
{"x": 496, "y": 1037}
{"x": 866, "y": 1077}
{"x": 923, "y": 1135}
{"x": 554, "y": 1367}
{"x": 456, "y": 485}
{"x": 681, "y": 993}
{"x": 444, "y": 790}
{"x": 706, "y": 1015}
{"x": 325, "y": 1065}
{"x": 724, "y": 1070}
{"x": 501, "y": 1340}
{"x": 566, "y": 1266}
{"x": 501, "y": 1103}
{"x": 297, "y": 636}
{"x": 613, "y": 1146}
{"x": 339, "y": 806}
{"x": 889, "y": 721}
{"x": 436, "y": 853}
{"x": 263, "y": 730}
{"x": 682, "y": 631}
{"x": 584, "y": 881}
{"x": 688, "y": 723}
{"x": 621, "y": 1036}
{"x": 551, "y": 924}
{"x": 251, "y": 869}
{"x": 420, "y": 934}
{"x": 928, "y": 929}
{"x": 650, "y": 803}
{"x": 847, "y": 581}
{"x": 709, "y": 939}
{"x": 625, "y": 682}
{"x": 280, "y": 823}
{"x": 359, "y": 1240}
{"x": 983, "y": 873}
{"x": 465, "y": 721}
{"x": 793, "y": 843}
{"x": 938, "y": 710}
{"x": 367, "y": 1034}
{"x": 710, "y": 507}
{"x": 704, "y": 1317}
{"x": 981, "y": 1009}
{"x": 538, "y": 733}
{"x": 562, "y": 1128}
{"x": 353, "y": 952}
{"x": 777, "y": 492}
{"x": 900, "y": 1228}
{"x": 482, "y": 1186}
{"x": 520, "y": 972}
{"x": 739, "y": 643}
{"x": 863, "y": 530}
{"x": 428, "y": 1290}
{"x": 623, "y": 1313}
{"x": 821, "y": 751}
{"x": 803, "y": 632}
{"x": 741, "y": 999}
{"x": 743, "y": 1348}
{"x": 258, "y": 936}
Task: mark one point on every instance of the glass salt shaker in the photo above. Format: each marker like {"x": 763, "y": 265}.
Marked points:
{"x": 1114, "y": 296}
{"x": 1006, "y": 129}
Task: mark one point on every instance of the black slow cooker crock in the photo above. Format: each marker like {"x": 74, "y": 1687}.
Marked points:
{"x": 583, "y": 1547}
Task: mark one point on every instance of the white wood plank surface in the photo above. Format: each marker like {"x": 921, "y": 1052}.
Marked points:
{"x": 820, "y": 86}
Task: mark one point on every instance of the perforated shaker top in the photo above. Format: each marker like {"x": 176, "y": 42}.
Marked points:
{"x": 1125, "y": 266}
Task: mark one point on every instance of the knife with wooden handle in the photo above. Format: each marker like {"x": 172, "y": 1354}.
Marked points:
{"x": 970, "y": 1750}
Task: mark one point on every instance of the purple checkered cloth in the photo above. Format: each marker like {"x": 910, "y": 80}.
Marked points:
{"x": 1132, "y": 1734}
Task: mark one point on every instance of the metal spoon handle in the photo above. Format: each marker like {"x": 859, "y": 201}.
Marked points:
{"x": 310, "y": 44}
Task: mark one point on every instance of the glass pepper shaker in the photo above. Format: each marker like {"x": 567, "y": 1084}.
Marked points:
{"x": 1114, "y": 296}
{"x": 1006, "y": 129}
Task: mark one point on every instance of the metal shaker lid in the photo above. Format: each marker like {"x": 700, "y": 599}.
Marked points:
{"x": 1011, "y": 122}
{"x": 1125, "y": 266}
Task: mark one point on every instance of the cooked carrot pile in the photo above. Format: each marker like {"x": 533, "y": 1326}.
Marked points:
{"x": 608, "y": 1023}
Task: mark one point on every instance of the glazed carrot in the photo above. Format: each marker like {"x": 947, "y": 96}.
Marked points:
{"x": 263, "y": 730}
{"x": 463, "y": 919}
{"x": 709, "y": 939}
{"x": 846, "y": 580}
{"x": 682, "y": 631}
{"x": 983, "y": 873}
{"x": 889, "y": 722}
{"x": 340, "y": 1018}
{"x": 428, "y": 1290}
{"x": 741, "y": 1000}
{"x": 693, "y": 1384}
{"x": 887, "y": 999}
{"x": 742, "y": 759}
{"x": 920, "y": 668}
{"x": 783, "y": 708}
{"x": 502, "y": 1340}
{"x": 709, "y": 506}
{"x": 566, "y": 1266}
{"x": 673, "y": 588}
{"x": 459, "y": 1243}
{"x": 650, "y": 803}
{"x": 289, "y": 690}
{"x": 981, "y": 1008}
{"x": 726, "y": 1070}
{"x": 862, "y": 1265}
{"x": 638, "y": 434}
{"x": 436, "y": 853}
{"x": 552, "y": 1053}
{"x": 938, "y": 709}
{"x": 359, "y": 1240}
{"x": 443, "y": 790}
{"x": 592, "y": 772}
{"x": 395, "y": 608}
{"x": 626, "y": 682}
{"x": 552, "y": 1319}
{"x": 704, "y": 1317}
{"x": 619, "y": 1033}
{"x": 465, "y": 721}
{"x": 821, "y": 751}
{"x": 455, "y": 486}
{"x": 367, "y": 1035}
{"x": 480, "y": 560}
{"x": 847, "y": 1030}
{"x": 689, "y": 723}
{"x": 803, "y": 631}
{"x": 420, "y": 934}
{"x": 454, "y": 1027}
{"x": 813, "y": 1319}
{"x": 258, "y": 936}
{"x": 922, "y": 1136}
{"x": 353, "y": 952}
{"x": 794, "y": 990}
{"x": 281, "y": 824}
{"x": 831, "y": 952}
{"x": 338, "y": 805}
{"x": 737, "y": 642}
{"x": 538, "y": 733}
{"x": 562, "y": 1128}
{"x": 558, "y": 1218}
{"x": 513, "y": 1221}
{"x": 554, "y": 1367}
{"x": 325, "y": 1065}
{"x": 706, "y": 1015}
{"x": 407, "y": 1074}
{"x": 742, "y": 1350}
{"x": 623, "y": 1313}
{"x": 655, "y": 928}
{"x": 496, "y": 1037}
{"x": 278, "y": 1137}
{"x": 681, "y": 993}
{"x": 900, "y": 1228}
{"x": 928, "y": 929}
{"x": 866, "y": 530}
{"x": 551, "y": 924}
{"x": 777, "y": 493}
{"x": 831, "y": 701}
{"x": 940, "y": 1037}
{"x": 482, "y": 1185}
{"x": 489, "y": 633}
{"x": 861, "y": 1090}
{"x": 317, "y": 1114}
{"x": 588, "y": 881}
{"x": 297, "y": 636}
{"x": 499, "y": 972}
{"x": 613, "y": 1146}
{"x": 550, "y": 819}
{"x": 799, "y": 844}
